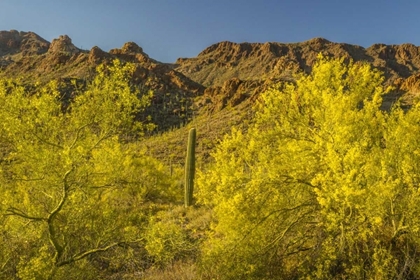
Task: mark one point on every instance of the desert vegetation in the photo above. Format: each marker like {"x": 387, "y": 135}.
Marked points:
{"x": 320, "y": 184}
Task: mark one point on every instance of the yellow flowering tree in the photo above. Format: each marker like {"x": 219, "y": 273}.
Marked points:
{"x": 71, "y": 186}
{"x": 323, "y": 185}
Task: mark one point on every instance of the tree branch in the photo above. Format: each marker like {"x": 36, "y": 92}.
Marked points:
{"x": 78, "y": 134}
{"x": 87, "y": 253}
{"x": 309, "y": 204}
{"x": 30, "y": 179}
{"x": 47, "y": 142}
{"x": 50, "y": 220}
{"x": 12, "y": 211}
{"x": 281, "y": 236}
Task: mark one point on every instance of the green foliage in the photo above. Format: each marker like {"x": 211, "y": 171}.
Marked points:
{"x": 39, "y": 267}
{"x": 166, "y": 240}
{"x": 175, "y": 234}
{"x": 323, "y": 186}
{"x": 190, "y": 168}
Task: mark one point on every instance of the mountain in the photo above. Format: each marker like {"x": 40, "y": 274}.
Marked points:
{"x": 27, "y": 55}
{"x": 253, "y": 65}
{"x": 224, "y": 75}
{"x": 253, "y": 61}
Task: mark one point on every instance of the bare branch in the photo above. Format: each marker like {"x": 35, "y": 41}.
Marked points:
{"x": 300, "y": 181}
{"x": 87, "y": 253}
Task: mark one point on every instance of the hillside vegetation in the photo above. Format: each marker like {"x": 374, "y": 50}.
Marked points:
{"x": 306, "y": 162}
{"x": 322, "y": 184}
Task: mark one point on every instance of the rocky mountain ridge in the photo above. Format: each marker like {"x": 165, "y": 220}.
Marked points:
{"x": 223, "y": 75}
{"x": 251, "y": 61}
{"x": 27, "y": 55}
{"x": 225, "y": 63}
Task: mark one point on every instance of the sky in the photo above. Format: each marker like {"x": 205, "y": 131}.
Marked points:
{"x": 169, "y": 29}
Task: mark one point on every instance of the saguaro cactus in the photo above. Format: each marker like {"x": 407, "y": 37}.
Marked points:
{"x": 190, "y": 168}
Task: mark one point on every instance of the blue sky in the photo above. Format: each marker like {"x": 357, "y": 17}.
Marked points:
{"x": 168, "y": 29}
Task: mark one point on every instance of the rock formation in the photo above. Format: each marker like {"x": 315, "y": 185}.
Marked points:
{"x": 26, "y": 43}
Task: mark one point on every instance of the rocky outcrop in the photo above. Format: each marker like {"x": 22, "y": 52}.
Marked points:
{"x": 97, "y": 55}
{"x": 235, "y": 72}
{"x": 397, "y": 61}
{"x": 130, "y": 51}
{"x": 231, "y": 93}
{"x": 61, "y": 51}
{"x": 234, "y": 92}
{"x": 26, "y": 43}
{"x": 131, "y": 47}
{"x": 63, "y": 45}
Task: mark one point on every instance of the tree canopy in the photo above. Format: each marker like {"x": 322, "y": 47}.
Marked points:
{"x": 324, "y": 185}
{"x": 71, "y": 185}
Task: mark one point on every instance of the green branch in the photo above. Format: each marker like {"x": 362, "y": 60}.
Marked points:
{"x": 50, "y": 220}
{"x": 87, "y": 253}
{"x": 12, "y": 211}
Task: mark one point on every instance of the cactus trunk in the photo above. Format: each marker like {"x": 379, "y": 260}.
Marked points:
{"x": 190, "y": 168}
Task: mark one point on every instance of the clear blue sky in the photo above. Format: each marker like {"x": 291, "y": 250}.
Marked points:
{"x": 168, "y": 29}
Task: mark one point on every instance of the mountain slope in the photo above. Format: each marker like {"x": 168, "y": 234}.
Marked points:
{"x": 254, "y": 61}
{"x": 223, "y": 76}
{"x": 27, "y": 55}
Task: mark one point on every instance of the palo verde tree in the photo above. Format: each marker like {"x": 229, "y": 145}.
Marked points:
{"x": 324, "y": 185}
{"x": 71, "y": 186}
